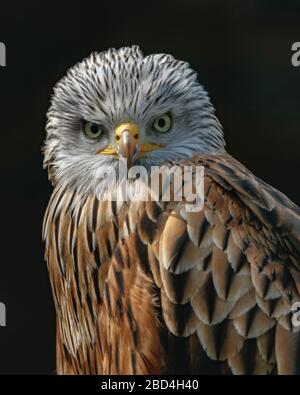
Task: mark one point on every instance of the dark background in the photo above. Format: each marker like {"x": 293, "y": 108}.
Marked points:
{"x": 242, "y": 52}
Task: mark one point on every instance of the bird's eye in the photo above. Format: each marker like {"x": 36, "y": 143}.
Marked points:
{"x": 163, "y": 123}
{"x": 92, "y": 130}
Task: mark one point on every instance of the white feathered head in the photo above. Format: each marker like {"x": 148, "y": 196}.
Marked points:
{"x": 120, "y": 103}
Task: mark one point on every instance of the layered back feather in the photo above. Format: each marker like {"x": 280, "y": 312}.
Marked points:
{"x": 147, "y": 288}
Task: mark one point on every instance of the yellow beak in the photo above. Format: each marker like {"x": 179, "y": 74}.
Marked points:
{"x": 127, "y": 139}
{"x": 127, "y": 142}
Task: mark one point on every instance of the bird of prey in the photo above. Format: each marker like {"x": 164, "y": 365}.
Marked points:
{"x": 145, "y": 287}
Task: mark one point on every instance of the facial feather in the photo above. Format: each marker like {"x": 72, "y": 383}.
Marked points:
{"x": 122, "y": 85}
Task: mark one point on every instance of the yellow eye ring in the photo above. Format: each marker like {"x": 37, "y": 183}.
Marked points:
{"x": 163, "y": 123}
{"x": 92, "y": 130}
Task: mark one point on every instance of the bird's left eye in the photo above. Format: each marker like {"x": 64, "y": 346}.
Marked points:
{"x": 163, "y": 123}
{"x": 92, "y": 130}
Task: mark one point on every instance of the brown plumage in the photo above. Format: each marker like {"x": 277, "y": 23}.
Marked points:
{"x": 146, "y": 288}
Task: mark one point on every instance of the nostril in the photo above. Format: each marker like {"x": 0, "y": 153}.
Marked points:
{"x": 128, "y": 134}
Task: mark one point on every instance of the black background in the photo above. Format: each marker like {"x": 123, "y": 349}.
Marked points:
{"x": 242, "y": 52}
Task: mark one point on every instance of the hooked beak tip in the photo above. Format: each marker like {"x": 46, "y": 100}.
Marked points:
{"x": 128, "y": 147}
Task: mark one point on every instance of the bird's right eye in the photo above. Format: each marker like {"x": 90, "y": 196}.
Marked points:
{"x": 92, "y": 130}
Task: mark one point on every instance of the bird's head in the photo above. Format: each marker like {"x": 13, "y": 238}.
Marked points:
{"x": 119, "y": 103}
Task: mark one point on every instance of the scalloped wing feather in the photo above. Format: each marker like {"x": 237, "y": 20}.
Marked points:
{"x": 138, "y": 284}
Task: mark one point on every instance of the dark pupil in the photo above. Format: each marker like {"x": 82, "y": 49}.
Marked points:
{"x": 94, "y": 128}
{"x": 161, "y": 122}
